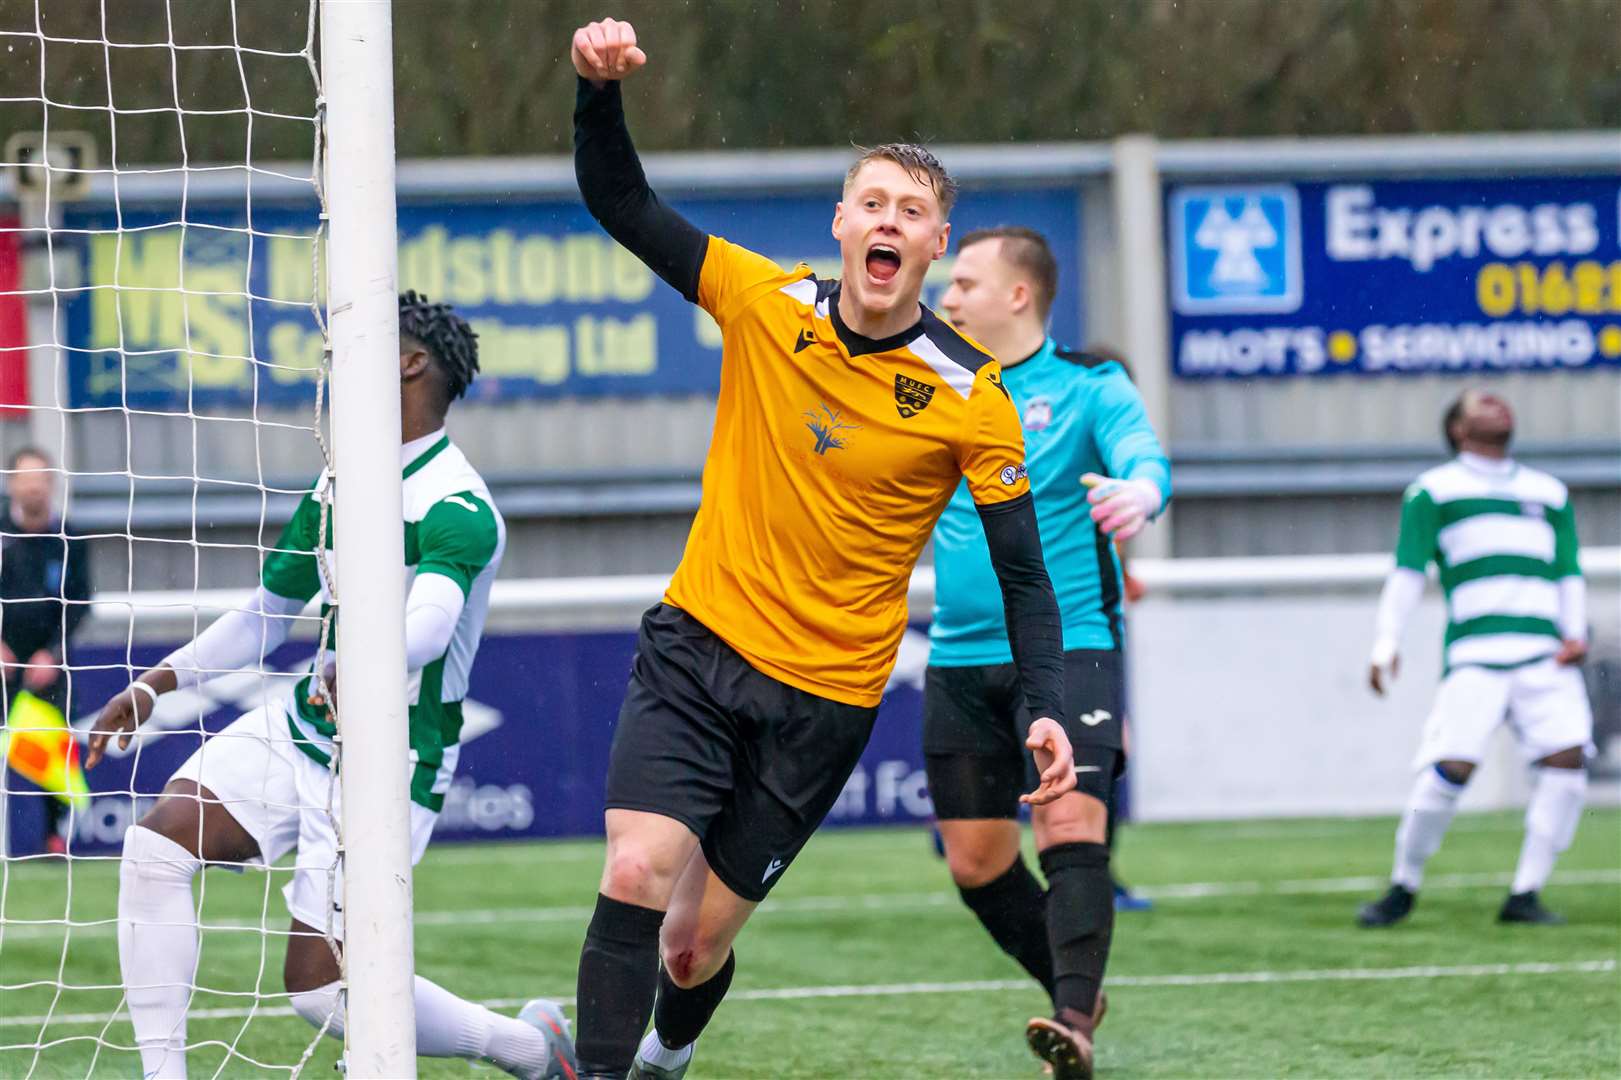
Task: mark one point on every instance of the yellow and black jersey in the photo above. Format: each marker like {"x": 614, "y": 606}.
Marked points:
{"x": 832, "y": 457}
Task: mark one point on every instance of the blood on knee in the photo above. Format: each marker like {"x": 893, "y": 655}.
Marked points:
{"x": 692, "y": 958}
{"x": 681, "y": 965}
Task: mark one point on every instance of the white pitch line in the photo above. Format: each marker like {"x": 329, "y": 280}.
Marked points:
{"x": 979, "y": 986}
{"x": 904, "y": 903}
{"x": 1199, "y": 890}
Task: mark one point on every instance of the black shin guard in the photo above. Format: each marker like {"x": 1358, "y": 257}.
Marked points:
{"x": 618, "y": 973}
{"x": 1080, "y": 921}
{"x": 1014, "y": 909}
{"x": 681, "y": 1015}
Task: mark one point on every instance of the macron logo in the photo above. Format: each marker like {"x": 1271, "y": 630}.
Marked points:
{"x": 776, "y": 865}
{"x": 1093, "y": 719}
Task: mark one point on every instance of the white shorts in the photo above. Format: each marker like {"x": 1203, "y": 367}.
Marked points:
{"x": 279, "y": 794}
{"x": 1545, "y": 704}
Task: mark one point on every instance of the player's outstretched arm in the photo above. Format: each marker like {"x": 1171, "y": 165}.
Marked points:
{"x": 234, "y": 640}
{"x": 606, "y": 166}
{"x": 991, "y": 456}
{"x": 127, "y": 711}
{"x": 1035, "y": 633}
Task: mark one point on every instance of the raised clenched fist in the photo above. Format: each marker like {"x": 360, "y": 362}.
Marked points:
{"x": 606, "y": 50}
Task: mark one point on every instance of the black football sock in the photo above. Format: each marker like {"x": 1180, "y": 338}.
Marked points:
{"x": 681, "y": 1015}
{"x": 1014, "y": 909}
{"x": 618, "y": 974}
{"x": 1080, "y": 921}
{"x": 1115, "y": 884}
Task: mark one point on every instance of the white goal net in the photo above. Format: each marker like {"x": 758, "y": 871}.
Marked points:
{"x": 163, "y": 377}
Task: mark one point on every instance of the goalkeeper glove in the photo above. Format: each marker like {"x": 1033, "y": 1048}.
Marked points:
{"x": 1121, "y": 508}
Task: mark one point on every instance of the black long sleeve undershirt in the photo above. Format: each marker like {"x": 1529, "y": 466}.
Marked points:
{"x": 1034, "y": 628}
{"x": 616, "y": 192}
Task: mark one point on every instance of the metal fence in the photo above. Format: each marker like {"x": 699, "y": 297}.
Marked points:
{"x": 607, "y": 483}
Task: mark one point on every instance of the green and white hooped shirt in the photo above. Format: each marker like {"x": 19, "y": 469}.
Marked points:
{"x": 451, "y": 528}
{"x": 1503, "y": 537}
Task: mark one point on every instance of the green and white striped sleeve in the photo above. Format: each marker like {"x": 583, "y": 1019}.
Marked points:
{"x": 291, "y": 569}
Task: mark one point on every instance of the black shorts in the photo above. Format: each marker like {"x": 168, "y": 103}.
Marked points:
{"x": 749, "y": 764}
{"x": 975, "y": 723}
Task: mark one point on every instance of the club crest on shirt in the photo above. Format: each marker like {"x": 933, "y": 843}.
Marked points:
{"x": 912, "y": 396}
{"x": 1038, "y": 414}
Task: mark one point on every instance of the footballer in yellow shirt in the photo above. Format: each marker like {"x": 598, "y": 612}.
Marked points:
{"x": 848, "y": 415}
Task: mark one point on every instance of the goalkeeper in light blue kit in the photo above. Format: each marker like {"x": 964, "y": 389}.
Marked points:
{"x": 1098, "y": 474}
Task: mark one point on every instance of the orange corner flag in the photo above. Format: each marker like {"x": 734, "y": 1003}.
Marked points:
{"x": 38, "y": 744}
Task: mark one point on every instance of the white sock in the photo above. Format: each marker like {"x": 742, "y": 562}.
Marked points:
{"x": 322, "y": 1008}
{"x": 447, "y": 1026}
{"x": 1430, "y": 806}
{"x": 157, "y": 947}
{"x": 655, "y": 1053}
{"x": 1557, "y": 798}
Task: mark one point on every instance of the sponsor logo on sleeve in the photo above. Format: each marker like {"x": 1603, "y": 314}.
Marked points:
{"x": 1012, "y": 474}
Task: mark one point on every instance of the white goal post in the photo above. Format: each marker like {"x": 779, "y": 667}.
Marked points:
{"x": 214, "y": 320}
{"x": 358, "y": 87}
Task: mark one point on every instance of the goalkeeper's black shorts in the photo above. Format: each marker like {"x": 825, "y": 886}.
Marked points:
{"x": 975, "y": 723}
{"x": 749, "y": 764}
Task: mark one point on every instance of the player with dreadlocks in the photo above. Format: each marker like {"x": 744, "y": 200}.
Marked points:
{"x": 260, "y": 787}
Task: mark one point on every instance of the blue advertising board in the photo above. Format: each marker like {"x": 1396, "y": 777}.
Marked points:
{"x": 215, "y": 315}
{"x": 538, "y": 723}
{"x": 1395, "y": 277}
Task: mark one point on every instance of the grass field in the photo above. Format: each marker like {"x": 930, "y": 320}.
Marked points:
{"x": 867, "y": 965}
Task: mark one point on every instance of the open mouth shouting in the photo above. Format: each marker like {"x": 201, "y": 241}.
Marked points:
{"x": 883, "y": 263}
